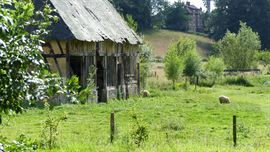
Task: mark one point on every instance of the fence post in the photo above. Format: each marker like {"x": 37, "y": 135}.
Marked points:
{"x": 234, "y": 131}
{"x": 112, "y": 126}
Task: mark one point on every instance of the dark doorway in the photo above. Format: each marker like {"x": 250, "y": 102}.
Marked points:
{"x": 101, "y": 84}
{"x": 76, "y": 63}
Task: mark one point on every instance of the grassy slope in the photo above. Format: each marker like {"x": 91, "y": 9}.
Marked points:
{"x": 177, "y": 121}
{"x": 160, "y": 40}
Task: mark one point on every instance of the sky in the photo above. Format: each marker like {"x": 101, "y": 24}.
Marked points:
{"x": 198, "y": 3}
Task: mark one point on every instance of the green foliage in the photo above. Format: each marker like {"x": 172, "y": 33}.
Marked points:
{"x": 140, "y": 10}
{"x": 239, "y": 80}
{"x": 131, "y": 23}
{"x": 226, "y": 17}
{"x": 73, "y": 88}
{"x": 181, "y": 56}
{"x": 21, "y": 61}
{"x": 88, "y": 92}
{"x": 173, "y": 67}
{"x": 239, "y": 50}
{"x": 50, "y": 129}
{"x": 192, "y": 65}
{"x": 139, "y": 133}
{"x": 263, "y": 56}
{"x": 183, "y": 46}
{"x": 215, "y": 68}
{"x": 146, "y": 56}
{"x": 22, "y": 143}
{"x": 176, "y": 17}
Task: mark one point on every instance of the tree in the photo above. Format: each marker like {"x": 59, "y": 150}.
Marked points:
{"x": 228, "y": 13}
{"x": 172, "y": 66}
{"x": 192, "y": 65}
{"x": 183, "y": 46}
{"x": 140, "y": 10}
{"x": 215, "y": 66}
{"x": 239, "y": 50}
{"x": 175, "y": 57}
{"x": 177, "y": 18}
{"x": 21, "y": 61}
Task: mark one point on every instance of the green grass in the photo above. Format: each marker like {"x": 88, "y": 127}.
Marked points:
{"x": 160, "y": 40}
{"x": 176, "y": 121}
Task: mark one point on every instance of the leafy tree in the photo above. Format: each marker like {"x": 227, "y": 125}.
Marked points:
{"x": 159, "y": 13}
{"x": 175, "y": 58}
{"x": 140, "y": 10}
{"x": 228, "y": 13}
{"x": 183, "y": 46}
{"x": 192, "y": 65}
{"x": 177, "y": 18}
{"x": 215, "y": 67}
{"x": 21, "y": 62}
{"x": 239, "y": 50}
{"x": 172, "y": 66}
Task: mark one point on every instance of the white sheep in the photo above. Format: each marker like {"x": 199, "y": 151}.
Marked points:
{"x": 146, "y": 93}
{"x": 224, "y": 100}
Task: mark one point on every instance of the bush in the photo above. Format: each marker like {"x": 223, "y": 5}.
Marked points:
{"x": 22, "y": 143}
{"x": 242, "y": 81}
{"x": 172, "y": 67}
{"x": 192, "y": 65}
{"x": 140, "y": 132}
{"x": 239, "y": 50}
{"x": 215, "y": 68}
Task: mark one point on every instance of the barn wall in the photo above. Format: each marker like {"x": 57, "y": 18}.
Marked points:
{"x": 79, "y": 48}
{"x": 55, "y": 56}
{"x": 117, "y": 57}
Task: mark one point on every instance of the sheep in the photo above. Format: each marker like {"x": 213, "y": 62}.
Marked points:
{"x": 146, "y": 93}
{"x": 224, "y": 100}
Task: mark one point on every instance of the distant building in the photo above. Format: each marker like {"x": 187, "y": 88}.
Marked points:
{"x": 196, "y": 21}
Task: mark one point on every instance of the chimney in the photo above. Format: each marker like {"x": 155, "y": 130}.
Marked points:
{"x": 188, "y": 3}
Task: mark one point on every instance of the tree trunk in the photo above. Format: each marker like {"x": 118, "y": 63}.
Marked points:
{"x": 0, "y": 119}
{"x": 173, "y": 84}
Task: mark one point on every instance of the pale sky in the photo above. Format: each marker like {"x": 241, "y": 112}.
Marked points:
{"x": 198, "y": 3}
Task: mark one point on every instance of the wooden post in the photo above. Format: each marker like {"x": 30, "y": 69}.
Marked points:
{"x": 112, "y": 126}
{"x": 234, "y": 131}
{"x": 139, "y": 79}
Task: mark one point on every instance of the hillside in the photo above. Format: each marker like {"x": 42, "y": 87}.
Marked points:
{"x": 160, "y": 40}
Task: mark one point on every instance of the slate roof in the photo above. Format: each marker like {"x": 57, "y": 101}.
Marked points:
{"x": 91, "y": 21}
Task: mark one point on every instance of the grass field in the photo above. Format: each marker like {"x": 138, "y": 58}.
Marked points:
{"x": 160, "y": 40}
{"x": 176, "y": 121}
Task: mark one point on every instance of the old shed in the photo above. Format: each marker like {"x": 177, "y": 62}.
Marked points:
{"x": 91, "y": 32}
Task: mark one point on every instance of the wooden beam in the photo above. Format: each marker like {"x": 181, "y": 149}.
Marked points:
{"x": 54, "y": 55}
{"x": 60, "y": 47}
{"x": 55, "y": 59}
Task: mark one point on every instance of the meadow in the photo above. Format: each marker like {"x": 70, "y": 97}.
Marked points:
{"x": 160, "y": 40}
{"x": 182, "y": 120}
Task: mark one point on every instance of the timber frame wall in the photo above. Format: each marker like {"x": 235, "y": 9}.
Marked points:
{"x": 119, "y": 70}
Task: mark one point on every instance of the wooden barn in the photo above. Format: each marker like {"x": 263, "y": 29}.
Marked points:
{"x": 91, "y": 32}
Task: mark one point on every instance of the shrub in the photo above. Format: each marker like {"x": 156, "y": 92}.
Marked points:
{"x": 50, "y": 130}
{"x": 238, "y": 50}
{"x": 172, "y": 67}
{"x": 215, "y": 68}
{"x": 192, "y": 65}
{"x": 242, "y": 81}
{"x": 22, "y": 143}
{"x": 88, "y": 92}
{"x": 140, "y": 132}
